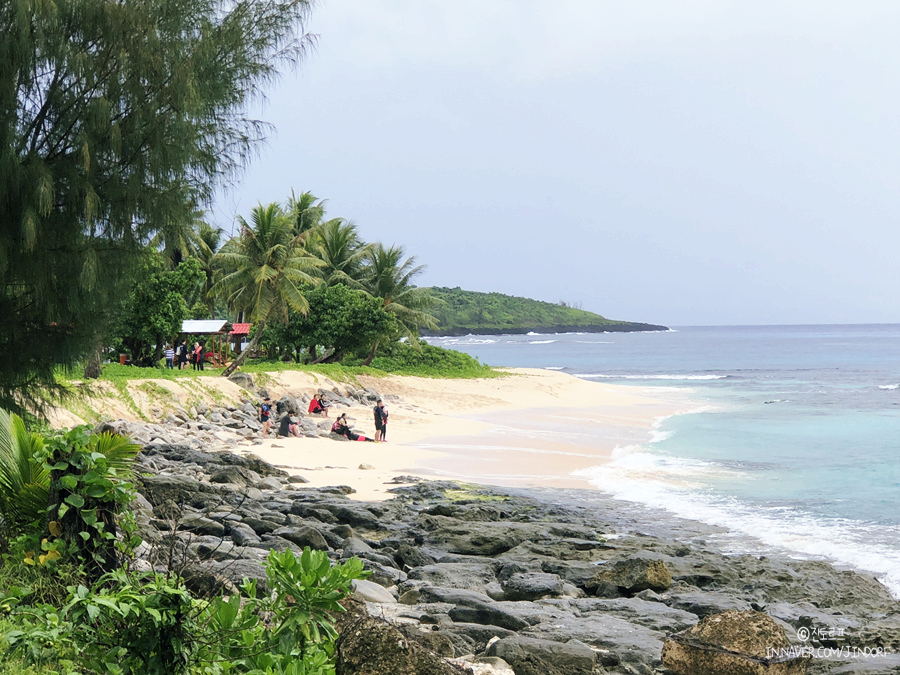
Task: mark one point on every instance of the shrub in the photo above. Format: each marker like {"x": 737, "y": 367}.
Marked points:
{"x": 427, "y": 360}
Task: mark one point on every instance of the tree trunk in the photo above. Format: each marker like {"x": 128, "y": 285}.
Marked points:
{"x": 371, "y": 354}
{"x": 92, "y": 367}
{"x": 244, "y": 354}
{"x": 324, "y": 358}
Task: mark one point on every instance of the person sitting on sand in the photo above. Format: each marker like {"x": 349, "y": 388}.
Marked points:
{"x": 318, "y": 405}
{"x": 342, "y": 428}
{"x": 288, "y": 427}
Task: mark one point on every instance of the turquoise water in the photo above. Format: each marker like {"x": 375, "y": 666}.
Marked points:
{"x": 791, "y": 440}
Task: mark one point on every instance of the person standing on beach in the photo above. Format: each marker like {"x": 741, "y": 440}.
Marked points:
{"x": 170, "y": 357}
{"x": 183, "y": 355}
{"x": 264, "y": 411}
{"x": 380, "y": 421}
{"x": 201, "y": 356}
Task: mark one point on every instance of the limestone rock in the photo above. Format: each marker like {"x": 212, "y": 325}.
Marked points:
{"x": 739, "y": 643}
{"x": 243, "y": 380}
{"x": 533, "y": 656}
{"x": 632, "y": 575}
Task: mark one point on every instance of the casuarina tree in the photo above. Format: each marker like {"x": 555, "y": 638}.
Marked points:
{"x": 117, "y": 119}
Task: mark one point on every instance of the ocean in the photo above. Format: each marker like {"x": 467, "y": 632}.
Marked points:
{"x": 791, "y": 438}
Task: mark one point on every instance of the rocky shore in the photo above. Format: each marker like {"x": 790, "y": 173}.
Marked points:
{"x": 493, "y": 581}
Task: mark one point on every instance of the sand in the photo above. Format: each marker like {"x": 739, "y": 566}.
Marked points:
{"x": 530, "y": 428}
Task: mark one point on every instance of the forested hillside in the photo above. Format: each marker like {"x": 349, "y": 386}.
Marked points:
{"x": 460, "y": 312}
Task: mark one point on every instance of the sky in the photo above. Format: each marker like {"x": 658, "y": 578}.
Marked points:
{"x": 679, "y": 163}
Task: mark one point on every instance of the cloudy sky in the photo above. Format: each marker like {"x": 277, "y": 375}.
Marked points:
{"x": 683, "y": 163}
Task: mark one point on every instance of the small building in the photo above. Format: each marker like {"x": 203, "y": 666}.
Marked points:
{"x": 215, "y": 330}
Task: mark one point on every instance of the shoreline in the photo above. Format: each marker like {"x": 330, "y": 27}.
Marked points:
{"x": 490, "y": 432}
{"x": 503, "y": 433}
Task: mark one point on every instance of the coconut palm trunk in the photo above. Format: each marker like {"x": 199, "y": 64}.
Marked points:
{"x": 245, "y": 352}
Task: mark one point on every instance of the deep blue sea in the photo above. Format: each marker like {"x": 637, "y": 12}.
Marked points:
{"x": 792, "y": 439}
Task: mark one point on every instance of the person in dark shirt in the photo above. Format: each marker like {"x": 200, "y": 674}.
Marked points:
{"x": 264, "y": 411}
{"x": 380, "y": 421}
{"x": 287, "y": 427}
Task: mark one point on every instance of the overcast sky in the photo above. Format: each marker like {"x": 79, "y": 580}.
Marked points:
{"x": 683, "y": 163}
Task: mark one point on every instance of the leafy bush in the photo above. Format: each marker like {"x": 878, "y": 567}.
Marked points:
{"x": 148, "y": 624}
{"x": 427, "y": 360}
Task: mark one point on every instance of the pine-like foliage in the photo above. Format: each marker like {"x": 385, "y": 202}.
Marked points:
{"x": 117, "y": 118}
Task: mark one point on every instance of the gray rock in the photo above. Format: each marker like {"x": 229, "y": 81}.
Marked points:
{"x": 704, "y": 604}
{"x": 534, "y": 655}
{"x": 201, "y": 525}
{"x": 303, "y": 536}
{"x": 243, "y": 535}
{"x": 261, "y": 525}
{"x": 653, "y": 615}
{"x": 231, "y": 474}
{"x": 633, "y": 574}
{"x": 531, "y": 586}
{"x": 621, "y": 641}
{"x": 372, "y": 592}
{"x": 474, "y": 576}
{"x": 489, "y": 613}
{"x": 243, "y": 380}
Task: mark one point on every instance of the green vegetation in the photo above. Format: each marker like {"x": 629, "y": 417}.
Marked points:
{"x": 69, "y": 604}
{"x": 117, "y": 120}
{"x": 460, "y": 312}
{"x": 426, "y": 360}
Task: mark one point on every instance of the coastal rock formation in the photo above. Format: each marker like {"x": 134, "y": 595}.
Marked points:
{"x": 543, "y": 586}
{"x": 740, "y": 643}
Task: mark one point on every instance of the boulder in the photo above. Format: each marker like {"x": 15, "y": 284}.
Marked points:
{"x": 372, "y": 592}
{"x": 243, "y": 380}
{"x": 533, "y": 656}
{"x": 632, "y": 575}
{"x": 474, "y": 576}
{"x": 705, "y": 604}
{"x": 371, "y": 646}
{"x": 531, "y": 586}
{"x": 740, "y": 643}
{"x": 303, "y": 536}
{"x": 201, "y": 525}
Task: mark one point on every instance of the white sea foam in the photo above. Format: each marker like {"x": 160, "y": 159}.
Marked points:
{"x": 889, "y": 386}
{"x": 541, "y": 342}
{"x": 553, "y": 367}
{"x": 672, "y": 484}
{"x": 602, "y": 376}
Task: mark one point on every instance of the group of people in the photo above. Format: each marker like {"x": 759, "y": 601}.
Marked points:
{"x": 318, "y": 405}
{"x": 182, "y": 355}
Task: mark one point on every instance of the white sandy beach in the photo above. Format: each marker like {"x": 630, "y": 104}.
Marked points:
{"x": 534, "y": 427}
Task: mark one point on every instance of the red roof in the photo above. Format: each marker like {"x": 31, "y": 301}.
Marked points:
{"x": 241, "y": 329}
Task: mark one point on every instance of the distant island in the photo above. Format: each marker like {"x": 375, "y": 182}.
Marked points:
{"x": 460, "y": 312}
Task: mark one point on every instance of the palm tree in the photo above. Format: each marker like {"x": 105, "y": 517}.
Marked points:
{"x": 389, "y": 277}
{"x": 343, "y": 253}
{"x": 264, "y": 270}
{"x": 307, "y": 212}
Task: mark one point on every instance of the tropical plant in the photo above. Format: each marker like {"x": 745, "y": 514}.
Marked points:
{"x": 389, "y": 278}
{"x": 307, "y": 212}
{"x": 116, "y": 120}
{"x": 340, "y": 319}
{"x": 264, "y": 270}
{"x": 343, "y": 253}
{"x": 24, "y": 481}
{"x": 157, "y": 305}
